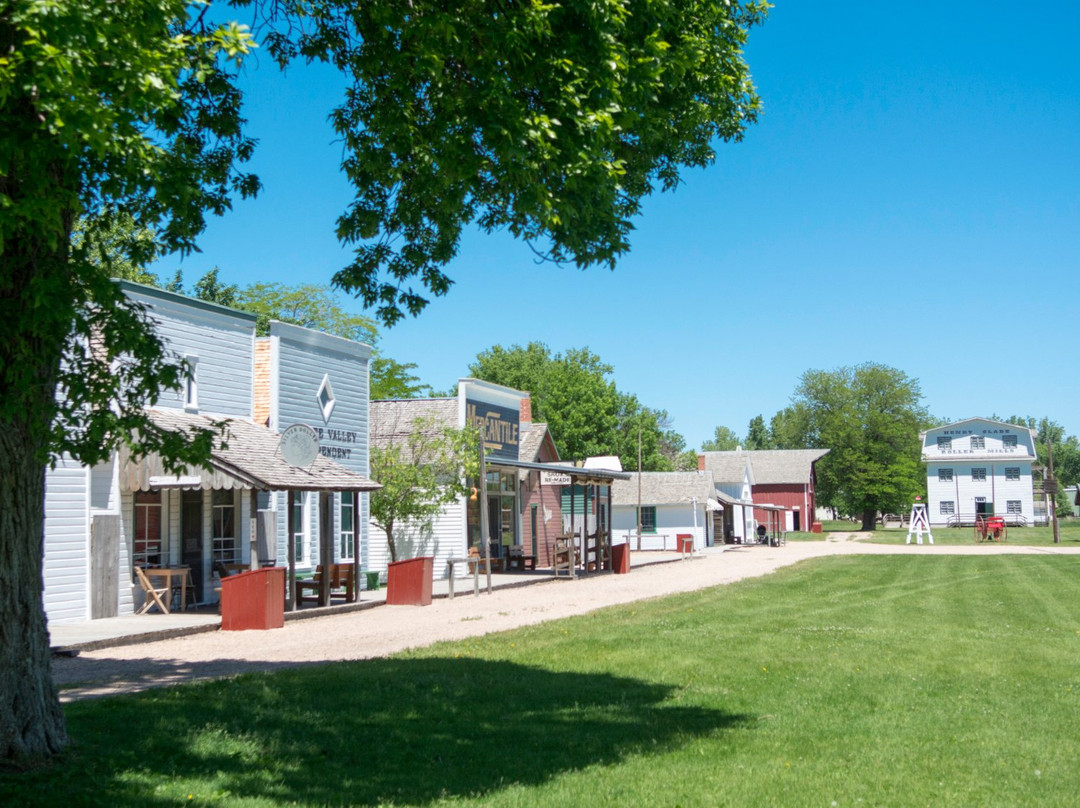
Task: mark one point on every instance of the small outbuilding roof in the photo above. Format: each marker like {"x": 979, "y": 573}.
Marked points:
{"x": 664, "y": 488}
{"x": 245, "y": 457}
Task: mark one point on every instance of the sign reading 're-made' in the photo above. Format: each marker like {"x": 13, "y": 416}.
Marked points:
{"x": 498, "y": 427}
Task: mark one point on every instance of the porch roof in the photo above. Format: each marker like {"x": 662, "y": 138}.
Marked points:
{"x": 246, "y": 457}
{"x": 595, "y": 476}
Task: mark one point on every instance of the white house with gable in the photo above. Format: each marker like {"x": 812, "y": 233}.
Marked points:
{"x": 979, "y": 467}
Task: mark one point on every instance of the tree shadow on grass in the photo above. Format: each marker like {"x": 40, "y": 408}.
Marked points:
{"x": 402, "y": 731}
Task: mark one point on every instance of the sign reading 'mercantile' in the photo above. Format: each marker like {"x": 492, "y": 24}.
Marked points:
{"x": 498, "y": 427}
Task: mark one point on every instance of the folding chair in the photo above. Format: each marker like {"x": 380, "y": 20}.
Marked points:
{"x": 153, "y": 593}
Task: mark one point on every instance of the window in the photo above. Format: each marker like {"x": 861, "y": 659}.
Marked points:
{"x": 191, "y": 382}
{"x": 978, "y": 475}
{"x": 299, "y": 514}
{"x": 348, "y": 526}
{"x": 944, "y": 443}
{"x": 147, "y": 547}
{"x": 944, "y": 475}
{"x": 1008, "y": 441}
{"x": 1013, "y": 506}
{"x": 224, "y": 529}
{"x": 1012, "y": 473}
{"x": 948, "y": 507}
{"x": 978, "y": 442}
{"x": 648, "y": 518}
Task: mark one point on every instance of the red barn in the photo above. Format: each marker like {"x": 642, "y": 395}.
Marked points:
{"x": 783, "y": 477}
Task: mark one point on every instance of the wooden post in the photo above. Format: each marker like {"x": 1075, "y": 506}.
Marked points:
{"x": 485, "y": 538}
{"x": 253, "y": 538}
{"x": 326, "y": 545}
{"x": 290, "y": 549}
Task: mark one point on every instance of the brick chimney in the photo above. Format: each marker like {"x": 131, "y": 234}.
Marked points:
{"x": 701, "y": 462}
{"x": 526, "y": 410}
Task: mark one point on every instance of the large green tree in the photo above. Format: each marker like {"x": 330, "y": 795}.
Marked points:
{"x": 723, "y": 440}
{"x": 869, "y": 417}
{"x": 419, "y": 474}
{"x": 549, "y": 120}
{"x": 573, "y": 392}
{"x": 1066, "y": 454}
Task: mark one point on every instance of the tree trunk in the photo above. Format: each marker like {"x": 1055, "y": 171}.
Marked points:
{"x": 869, "y": 520}
{"x": 31, "y": 720}
{"x": 35, "y": 298}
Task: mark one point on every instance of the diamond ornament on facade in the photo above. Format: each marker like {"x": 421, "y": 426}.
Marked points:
{"x": 325, "y": 398}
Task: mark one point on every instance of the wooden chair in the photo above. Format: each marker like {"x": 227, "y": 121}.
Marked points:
{"x": 152, "y": 593}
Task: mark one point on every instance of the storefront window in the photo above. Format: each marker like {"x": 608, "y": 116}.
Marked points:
{"x": 225, "y": 543}
{"x": 348, "y": 526}
{"x": 299, "y": 509}
{"x": 147, "y": 546}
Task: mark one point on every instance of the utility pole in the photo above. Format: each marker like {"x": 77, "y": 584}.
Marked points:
{"x": 1050, "y": 487}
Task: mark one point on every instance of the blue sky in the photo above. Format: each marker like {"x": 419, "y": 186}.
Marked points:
{"x": 909, "y": 196}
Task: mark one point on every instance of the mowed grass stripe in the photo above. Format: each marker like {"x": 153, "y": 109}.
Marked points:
{"x": 884, "y": 680}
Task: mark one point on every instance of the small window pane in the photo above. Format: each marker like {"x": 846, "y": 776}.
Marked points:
{"x": 948, "y": 507}
{"x": 1012, "y": 473}
{"x": 944, "y": 475}
{"x": 978, "y": 475}
{"x": 978, "y": 442}
{"x": 944, "y": 443}
{"x": 1013, "y": 506}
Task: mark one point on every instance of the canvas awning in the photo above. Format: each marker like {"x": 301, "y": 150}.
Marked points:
{"x": 245, "y": 457}
{"x": 579, "y": 474}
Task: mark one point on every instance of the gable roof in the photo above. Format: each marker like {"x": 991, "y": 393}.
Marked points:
{"x": 531, "y": 439}
{"x": 767, "y": 466}
{"x": 664, "y": 488}
{"x": 394, "y": 420}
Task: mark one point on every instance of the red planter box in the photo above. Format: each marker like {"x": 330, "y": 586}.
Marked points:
{"x": 253, "y": 600}
{"x": 408, "y": 583}
{"x": 815, "y": 527}
{"x": 620, "y": 558}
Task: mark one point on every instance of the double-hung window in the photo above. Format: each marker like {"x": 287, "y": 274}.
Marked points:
{"x": 948, "y": 507}
{"x": 648, "y": 518}
{"x": 1012, "y": 473}
{"x": 147, "y": 545}
{"x": 978, "y": 475}
{"x": 224, "y": 526}
{"x": 348, "y": 526}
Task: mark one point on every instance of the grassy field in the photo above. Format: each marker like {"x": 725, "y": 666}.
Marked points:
{"x": 848, "y": 681}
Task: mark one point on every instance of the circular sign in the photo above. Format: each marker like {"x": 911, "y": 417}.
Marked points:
{"x": 299, "y": 445}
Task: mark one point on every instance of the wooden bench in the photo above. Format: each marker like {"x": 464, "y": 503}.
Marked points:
{"x": 516, "y": 559}
{"x": 341, "y": 584}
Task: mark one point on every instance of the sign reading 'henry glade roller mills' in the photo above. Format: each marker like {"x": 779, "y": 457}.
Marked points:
{"x": 299, "y": 445}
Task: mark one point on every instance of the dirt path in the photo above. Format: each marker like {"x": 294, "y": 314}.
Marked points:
{"x": 387, "y": 629}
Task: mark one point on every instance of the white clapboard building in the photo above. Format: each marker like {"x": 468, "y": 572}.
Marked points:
{"x": 979, "y": 467}
{"x": 102, "y": 522}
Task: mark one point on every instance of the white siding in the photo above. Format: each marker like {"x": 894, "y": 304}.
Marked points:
{"x": 222, "y": 339}
{"x": 671, "y": 520}
{"x": 977, "y": 444}
{"x": 67, "y": 542}
{"x": 301, "y": 360}
{"x": 443, "y": 538}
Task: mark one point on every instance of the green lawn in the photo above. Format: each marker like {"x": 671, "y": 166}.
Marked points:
{"x": 848, "y": 681}
{"x": 1068, "y": 532}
